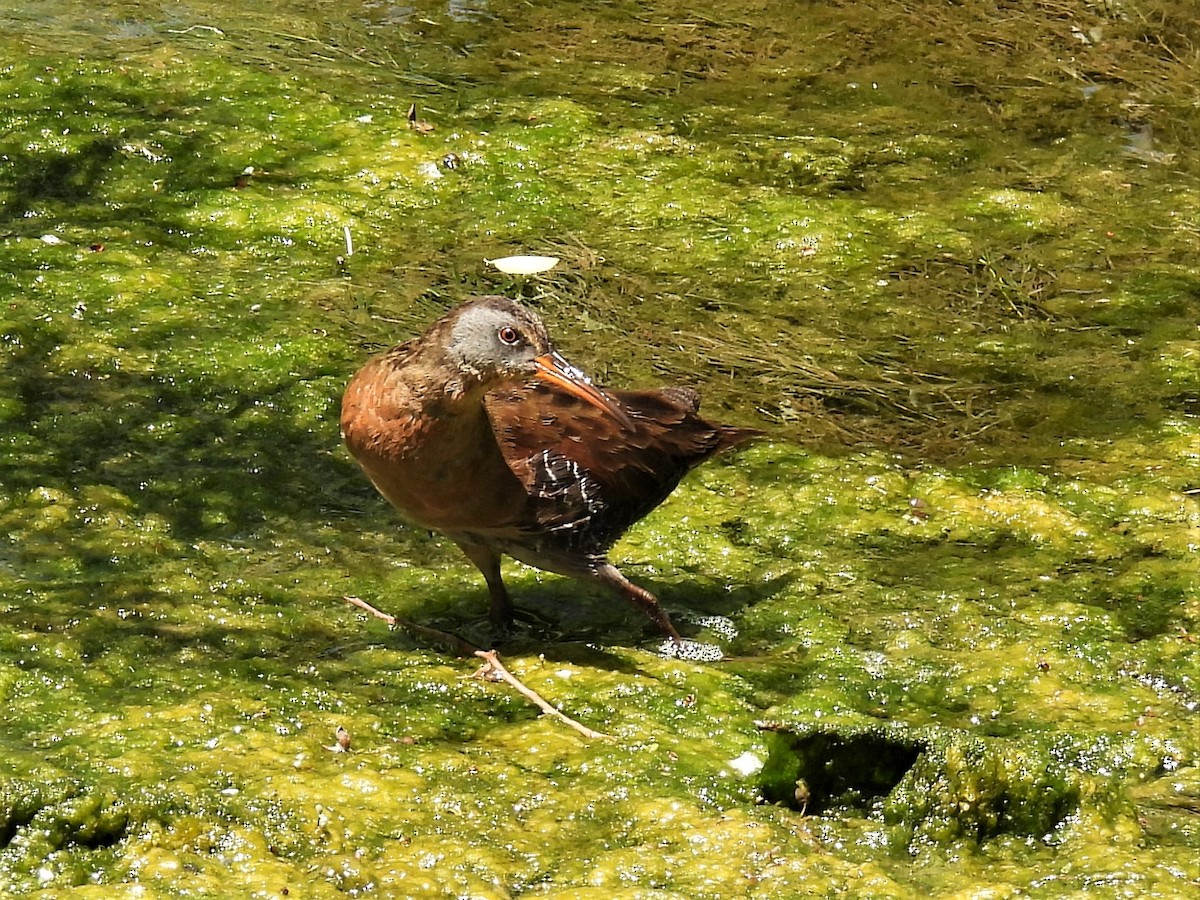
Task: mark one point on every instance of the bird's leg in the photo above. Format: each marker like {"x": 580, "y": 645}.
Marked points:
{"x": 640, "y": 597}
{"x": 488, "y": 562}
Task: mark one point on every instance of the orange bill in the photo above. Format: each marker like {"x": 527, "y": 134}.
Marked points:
{"x": 553, "y": 369}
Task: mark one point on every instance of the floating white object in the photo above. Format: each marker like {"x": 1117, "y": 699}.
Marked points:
{"x": 430, "y": 170}
{"x": 523, "y": 265}
{"x": 747, "y": 764}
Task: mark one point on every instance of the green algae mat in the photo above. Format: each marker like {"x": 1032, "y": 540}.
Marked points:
{"x": 945, "y": 254}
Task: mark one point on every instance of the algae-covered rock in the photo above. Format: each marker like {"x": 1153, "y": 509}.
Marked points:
{"x": 972, "y": 788}
{"x": 935, "y": 785}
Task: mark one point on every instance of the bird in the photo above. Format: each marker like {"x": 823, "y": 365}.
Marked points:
{"x": 481, "y": 430}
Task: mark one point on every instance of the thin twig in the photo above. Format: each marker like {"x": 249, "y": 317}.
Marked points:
{"x": 363, "y": 604}
{"x": 492, "y": 670}
{"x": 445, "y": 638}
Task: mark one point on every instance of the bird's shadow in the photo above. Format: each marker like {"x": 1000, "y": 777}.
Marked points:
{"x": 574, "y": 623}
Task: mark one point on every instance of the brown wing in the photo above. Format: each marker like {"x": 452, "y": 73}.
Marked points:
{"x": 588, "y": 475}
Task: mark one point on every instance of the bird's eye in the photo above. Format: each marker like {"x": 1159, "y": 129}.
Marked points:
{"x": 508, "y": 335}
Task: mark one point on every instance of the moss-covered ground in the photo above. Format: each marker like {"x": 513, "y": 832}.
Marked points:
{"x": 945, "y": 254}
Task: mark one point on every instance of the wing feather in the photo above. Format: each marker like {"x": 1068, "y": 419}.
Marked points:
{"x": 589, "y": 476}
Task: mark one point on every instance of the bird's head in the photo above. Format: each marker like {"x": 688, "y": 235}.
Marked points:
{"x": 493, "y": 340}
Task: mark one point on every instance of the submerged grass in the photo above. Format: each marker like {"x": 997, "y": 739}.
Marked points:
{"x": 961, "y": 293}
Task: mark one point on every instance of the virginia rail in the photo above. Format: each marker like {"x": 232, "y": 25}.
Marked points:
{"x": 479, "y": 429}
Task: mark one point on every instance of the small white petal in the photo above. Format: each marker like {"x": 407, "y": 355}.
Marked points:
{"x": 52, "y": 239}
{"x": 523, "y": 265}
{"x": 746, "y": 764}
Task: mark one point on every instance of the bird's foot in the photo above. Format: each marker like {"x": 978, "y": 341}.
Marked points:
{"x": 692, "y": 651}
{"x": 522, "y": 624}
{"x": 721, "y": 627}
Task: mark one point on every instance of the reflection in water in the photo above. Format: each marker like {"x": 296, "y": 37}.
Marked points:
{"x": 466, "y": 10}
{"x": 458, "y": 10}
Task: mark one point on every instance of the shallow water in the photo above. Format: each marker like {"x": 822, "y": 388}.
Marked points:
{"x": 946, "y": 255}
